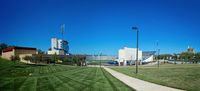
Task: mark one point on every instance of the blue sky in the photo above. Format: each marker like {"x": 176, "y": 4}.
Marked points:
{"x": 94, "y": 26}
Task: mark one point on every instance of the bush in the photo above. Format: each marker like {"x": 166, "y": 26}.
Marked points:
{"x": 14, "y": 58}
{"x": 28, "y": 58}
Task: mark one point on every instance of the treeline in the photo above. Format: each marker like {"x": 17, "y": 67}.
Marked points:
{"x": 2, "y": 46}
{"x": 184, "y": 57}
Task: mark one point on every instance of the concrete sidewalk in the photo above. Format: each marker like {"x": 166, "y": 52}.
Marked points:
{"x": 138, "y": 84}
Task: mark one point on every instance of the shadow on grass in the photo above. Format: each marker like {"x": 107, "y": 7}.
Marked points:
{"x": 36, "y": 64}
{"x": 29, "y": 65}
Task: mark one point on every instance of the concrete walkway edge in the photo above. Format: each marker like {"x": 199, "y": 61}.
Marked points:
{"x": 138, "y": 84}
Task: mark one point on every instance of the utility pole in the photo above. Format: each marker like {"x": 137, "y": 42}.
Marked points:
{"x": 137, "y": 30}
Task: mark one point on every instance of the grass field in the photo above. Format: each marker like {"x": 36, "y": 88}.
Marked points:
{"x": 183, "y": 76}
{"x": 22, "y": 77}
{"x": 97, "y": 62}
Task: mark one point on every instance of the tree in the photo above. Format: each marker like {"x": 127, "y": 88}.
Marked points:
{"x": 175, "y": 57}
{"x": 182, "y": 56}
{"x": 190, "y": 57}
{"x": 187, "y": 56}
{"x": 197, "y": 57}
{"x": 14, "y": 58}
{"x": 83, "y": 62}
{"x": 68, "y": 60}
{"x": 28, "y": 58}
{"x": 164, "y": 56}
{"x": 2, "y": 46}
{"x": 54, "y": 58}
{"x": 79, "y": 61}
{"x": 40, "y": 51}
{"x": 75, "y": 60}
{"x": 38, "y": 58}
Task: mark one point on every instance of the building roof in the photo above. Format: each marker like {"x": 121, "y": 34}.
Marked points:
{"x": 17, "y": 47}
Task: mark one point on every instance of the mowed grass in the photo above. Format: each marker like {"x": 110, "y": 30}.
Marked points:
{"x": 183, "y": 76}
{"x": 22, "y": 77}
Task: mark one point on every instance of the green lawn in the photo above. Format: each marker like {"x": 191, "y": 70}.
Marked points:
{"x": 183, "y": 76}
{"x": 24, "y": 77}
{"x": 97, "y": 62}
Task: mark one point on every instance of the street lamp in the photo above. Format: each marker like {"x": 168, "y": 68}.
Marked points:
{"x": 158, "y": 58}
{"x": 158, "y": 50}
{"x": 100, "y": 59}
{"x": 137, "y": 30}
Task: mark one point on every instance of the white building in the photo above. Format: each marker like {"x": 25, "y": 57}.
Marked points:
{"x": 128, "y": 54}
{"x": 59, "y": 47}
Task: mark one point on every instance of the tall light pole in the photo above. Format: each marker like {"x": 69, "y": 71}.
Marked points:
{"x": 100, "y": 59}
{"x": 137, "y": 30}
{"x": 158, "y": 54}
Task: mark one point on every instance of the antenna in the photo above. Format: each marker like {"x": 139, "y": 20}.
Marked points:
{"x": 62, "y": 30}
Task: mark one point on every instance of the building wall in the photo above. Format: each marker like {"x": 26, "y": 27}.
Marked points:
{"x": 24, "y": 51}
{"x": 58, "y": 52}
{"x": 62, "y": 44}
{"x": 7, "y": 55}
{"x": 190, "y": 50}
{"x": 17, "y": 52}
{"x": 53, "y": 52}
{"x": 21, "y": 56}
{"x": 54, "y": 43}
{"x": 121, "y": 54}
{"x": 128, "y": 54}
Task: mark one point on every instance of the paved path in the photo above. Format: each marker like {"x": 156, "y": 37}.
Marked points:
{"x": 138, "y": 84}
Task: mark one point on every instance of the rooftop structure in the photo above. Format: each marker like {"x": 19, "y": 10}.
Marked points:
{"x": 190, "y": 50}
{"x": 148, "y": 56}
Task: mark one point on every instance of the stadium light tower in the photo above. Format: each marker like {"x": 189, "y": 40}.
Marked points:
{"x": 137, "y": 30}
